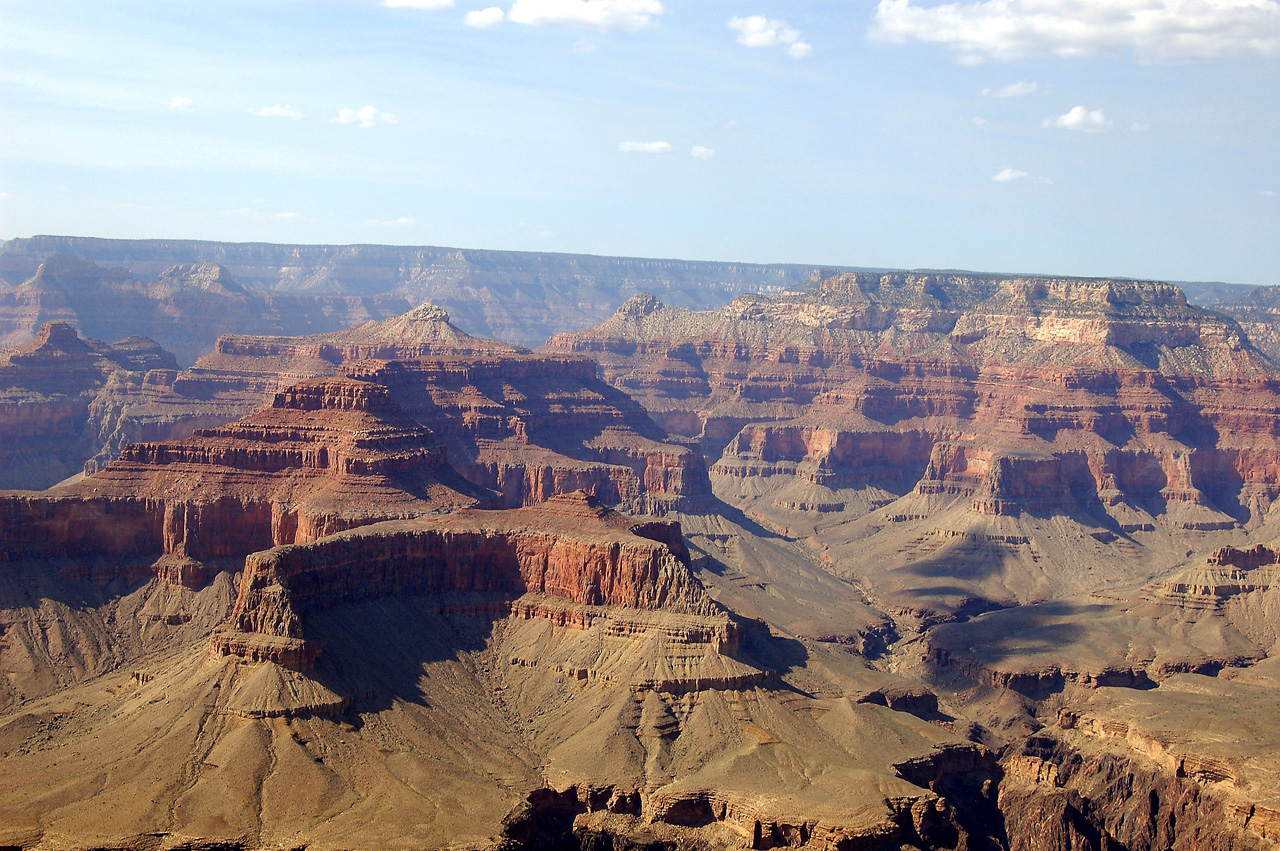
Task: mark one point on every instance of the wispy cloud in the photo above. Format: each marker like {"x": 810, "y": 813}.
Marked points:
{"x": 1013, "y": 90}
{"x": 426, "y": 5}
{"x": 484, "y": 18}
{"x": 180, "y": 102}
{"x": 1265, "y": 193}
{"x": 1008, "y": 175}
{"x": 759, "y": 31}
{"x": 402, "y": 222}
{"x": 703, "y": 153}
{"x": 603, "y": 15}
{"x": 1079, "y": 118}
{"x": 287, "y": 216}
{"x": 1155, "y": 30}
{"x": 645, "y": 148}
{"x": 583, "y": 46}
{"x": 367, "y": 116}
{"x": 277, "y": 111}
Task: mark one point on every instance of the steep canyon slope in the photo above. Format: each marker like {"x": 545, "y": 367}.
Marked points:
{"x": 941, "y": 561}
{"x": 291, "y": 630}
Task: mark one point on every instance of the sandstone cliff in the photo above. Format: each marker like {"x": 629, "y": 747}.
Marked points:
{"x": 243, "y": 373}
{"x": 329, "y": 454}
{"x": 908, "y": 415}
{"x": 532, "y": 427}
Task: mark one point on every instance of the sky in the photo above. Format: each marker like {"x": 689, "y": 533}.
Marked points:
{"x": 1135, "y": 138}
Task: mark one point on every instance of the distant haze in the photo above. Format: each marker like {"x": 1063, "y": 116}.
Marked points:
{"x": 1074, "y": 138}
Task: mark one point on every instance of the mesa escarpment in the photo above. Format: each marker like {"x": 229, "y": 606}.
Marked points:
{"x": 530, "y": 427}
{"x": 49, "y": 390}
{"x": 910, "y": 414}
{"x": 520, "y": 296}
{"x": 327, "y": 455}
{"x": 570, "y": 547}
{"x": 243, "y": 373}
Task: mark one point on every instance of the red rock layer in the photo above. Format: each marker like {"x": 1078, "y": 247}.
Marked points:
{"x": 330, "y": 454}
{"x": 1023, "y": 394}
{"x": 570, "y": 547}
{"x": 243, "y": 374}
{"x": 533, "y": 427}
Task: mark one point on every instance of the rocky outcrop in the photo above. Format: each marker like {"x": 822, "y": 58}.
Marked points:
{"x": 50, "y": 389}
{"x": 329, "y": 454}
{"x": 570, "y": 547}
{"x": 531, "y": 427}
{"x": 958, "y": 442}
{"x": 244, "y": 373}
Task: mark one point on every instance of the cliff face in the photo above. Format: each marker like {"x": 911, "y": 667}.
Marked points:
{"x": 49, "y": 390}
{"x": 570, "y": 547}
{"x": 244, "y": 373}
{"x": 892, "y": 414}
{"x": 327, "y": 455}
{"x": 533, "y": 427}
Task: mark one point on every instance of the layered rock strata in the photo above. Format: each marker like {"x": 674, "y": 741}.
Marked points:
{"x": 243, "y": 374}
{"x": 932, "y": 412}
{"x": 520, "y": 296}
{"x": 531, "y": 427}
{"x": 329, "y": 454}
{"x": 185, "y": 306}
{"x": 568, "y": 547}
{"x": 50, "y": 389}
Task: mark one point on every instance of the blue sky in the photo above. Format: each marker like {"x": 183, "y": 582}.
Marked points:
{"x": 1095, "y": 137}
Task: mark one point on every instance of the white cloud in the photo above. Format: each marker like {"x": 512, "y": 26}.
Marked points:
{"x": 979, "y": 120}
{"x": 180, "y": 102}
{"x": 584, "y": 46}
{"x": 5, "y": 195}
{"x": 1154, "y": 29}
{"x": 603, "y": 15}
{"x": 703, "y": 153}
{"x": 286, "y": 216}
{"x": 1138, "y": 127}
{"x": 645, "y": 148}
{"x": 402, "y": 222}
{"x": 1265, "y": 193}
{"x": 484, "y": 18}
{"x": 1079, "y": 118}
{"x": 1013, "y": 90}
{"x": 277, "y": 111}
{"x": 426, "y": 5}
{"x": 1008, "y": 175}
{"x": 367, "y": 116}
{"x": 759, "y": 31}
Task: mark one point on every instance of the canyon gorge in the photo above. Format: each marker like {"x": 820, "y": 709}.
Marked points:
{"x": 705, "y": 556}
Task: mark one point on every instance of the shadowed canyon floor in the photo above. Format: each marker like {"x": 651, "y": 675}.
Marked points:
{"x": 892, "y": 561}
